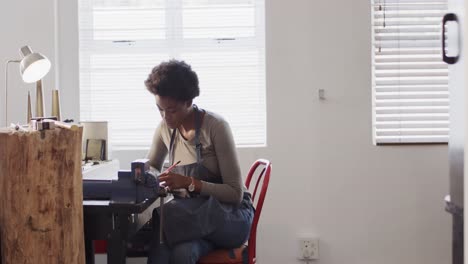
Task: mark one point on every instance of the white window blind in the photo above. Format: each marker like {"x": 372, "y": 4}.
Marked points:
{"x": 410, "y": 80}
{"x": 122, "y": 40}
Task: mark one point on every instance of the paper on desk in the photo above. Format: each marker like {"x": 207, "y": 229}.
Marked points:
{"x": 96, "y": 202}
{"x": 104, "y": 171}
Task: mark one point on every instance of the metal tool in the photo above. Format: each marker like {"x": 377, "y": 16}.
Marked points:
{"x": 163, "y": 191}
{"x": 162, "y": 195}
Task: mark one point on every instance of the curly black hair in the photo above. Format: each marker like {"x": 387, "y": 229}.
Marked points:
{"x": 174, "y": 79}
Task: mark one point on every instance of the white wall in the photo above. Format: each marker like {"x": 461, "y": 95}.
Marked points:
{"x": 19, "y": 26}
{"x": 368, "y": 204}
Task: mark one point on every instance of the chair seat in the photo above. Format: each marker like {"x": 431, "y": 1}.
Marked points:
{"x": 223, "y": 256}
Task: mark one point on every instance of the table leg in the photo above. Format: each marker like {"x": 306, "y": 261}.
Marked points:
{"x": 89, "y": 251}
{"x": 117, "y": 243}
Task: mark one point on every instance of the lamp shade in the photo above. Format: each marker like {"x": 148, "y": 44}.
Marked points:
{"x": 33, "y": 66}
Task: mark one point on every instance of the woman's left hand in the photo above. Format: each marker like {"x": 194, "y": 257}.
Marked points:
{"x": 174, "y": 181}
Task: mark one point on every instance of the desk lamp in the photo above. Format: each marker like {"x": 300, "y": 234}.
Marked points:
{"x": 33, "y": 67}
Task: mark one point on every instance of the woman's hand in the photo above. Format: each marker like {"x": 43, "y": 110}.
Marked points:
{"x": 174, "y": 181}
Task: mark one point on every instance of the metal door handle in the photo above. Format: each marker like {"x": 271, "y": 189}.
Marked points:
{"x": 449, "y": 60}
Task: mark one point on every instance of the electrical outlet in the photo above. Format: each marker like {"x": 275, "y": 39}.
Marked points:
{"x": 308, "y": 248}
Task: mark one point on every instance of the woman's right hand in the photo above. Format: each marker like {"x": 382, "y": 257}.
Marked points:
{"x": 174, "y": 181}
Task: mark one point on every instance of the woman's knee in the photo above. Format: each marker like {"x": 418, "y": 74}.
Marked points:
{"x": 190, "y": 252}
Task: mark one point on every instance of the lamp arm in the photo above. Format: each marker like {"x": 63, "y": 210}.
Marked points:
{"x": 6, "y": 88}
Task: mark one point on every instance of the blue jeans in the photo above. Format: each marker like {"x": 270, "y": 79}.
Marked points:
{"x": 197, "y": 240}
{"x": 184, "y": 252}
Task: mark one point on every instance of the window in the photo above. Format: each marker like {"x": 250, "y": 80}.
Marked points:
{"x": 409, "y": 78}
{"x": 122, "y": 40}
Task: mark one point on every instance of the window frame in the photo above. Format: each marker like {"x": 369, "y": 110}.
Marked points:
{"x": 173, "y": 45}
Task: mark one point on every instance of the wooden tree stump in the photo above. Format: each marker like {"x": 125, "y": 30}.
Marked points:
{"x": 41, "y": 197}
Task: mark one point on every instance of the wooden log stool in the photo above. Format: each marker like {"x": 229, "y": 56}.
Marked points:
{"x": 41, "y": 197}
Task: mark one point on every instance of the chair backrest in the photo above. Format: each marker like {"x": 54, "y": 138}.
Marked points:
{"x": 259, "y": 174}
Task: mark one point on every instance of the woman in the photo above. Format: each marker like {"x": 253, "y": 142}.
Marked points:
{"x": 216, "y": 210}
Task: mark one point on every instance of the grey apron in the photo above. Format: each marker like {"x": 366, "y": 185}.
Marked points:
{"x": 187, "y": 219}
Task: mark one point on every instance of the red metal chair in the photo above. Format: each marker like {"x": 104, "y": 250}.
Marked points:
{"x": 100, "y": 246}
{"x": 260, "y": 174}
